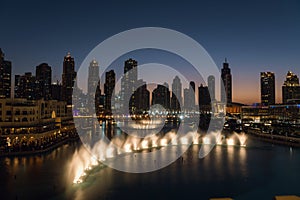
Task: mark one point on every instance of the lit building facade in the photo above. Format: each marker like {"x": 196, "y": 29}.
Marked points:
{"x": 5, "y": 77}
{"x": 128, "y": 84}
{"x": 267, "y": 88}
{"x": 290, "y": 88}
{"x": 26, "y": 86}
{"x": 68, "y": 78}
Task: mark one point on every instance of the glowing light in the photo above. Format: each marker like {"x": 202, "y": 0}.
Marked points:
{"x": 230, "y": 142}
{"x": 206, "y": 140}
{"x": 127, "y": 148}
{"x": 184, "y": 140}
{"x": 110, "y": 152}
{"x": 163, "y": 142}
{"x": 144, "y": 144}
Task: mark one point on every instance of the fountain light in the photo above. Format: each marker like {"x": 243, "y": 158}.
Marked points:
{"x": 230, "y": 142}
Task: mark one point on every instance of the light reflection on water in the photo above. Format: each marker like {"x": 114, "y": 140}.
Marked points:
{"x": 226, "y": 171}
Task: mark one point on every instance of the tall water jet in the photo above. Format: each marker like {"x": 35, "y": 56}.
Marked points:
{"x": 242, "y": 139}
{"x": 230, "y": 141}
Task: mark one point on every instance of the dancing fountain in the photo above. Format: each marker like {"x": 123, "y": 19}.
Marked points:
{"x": 87, "y": 158}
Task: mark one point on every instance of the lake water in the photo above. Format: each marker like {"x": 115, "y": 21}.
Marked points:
{"x": 258, "y": 171}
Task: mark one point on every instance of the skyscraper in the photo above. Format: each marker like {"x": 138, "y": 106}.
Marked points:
{"x": 92, "y": 87}
{"x": 128, "y": 84}
{"x": 56, "y": 91}
{"x": 141, "y": 97}
{"x": 161, "y": 96}
{"x": 93, "y": 77}
{"x": 290, "y": 88}
{"x": 226, "y": 93}
{"x": 203, "y": 96}
{"x": 267, "y": 88}
{"x": 68, "y": 78}
{"x": 5, "y": 77}
{"x": 44, "y": 78}
{"x": 26, "y": 86}
{"x": 109, "y": 86}
{"x": 211, "y": 87}
{"x": 176, "y": 98}
{"x": 186, "y": 98}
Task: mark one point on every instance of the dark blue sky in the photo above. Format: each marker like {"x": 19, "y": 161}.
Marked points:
{"x": 254, "y": 35}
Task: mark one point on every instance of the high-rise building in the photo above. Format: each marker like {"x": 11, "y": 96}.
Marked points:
{"x": 26, "y": 86}
{"x": 92, "y": 87}
{"x": 56, "y": 90}
{"x": 109, "y": 87}
{"x": 5, "y": 77}
{"x": 203, "y": 96}
{"x": 128, "y": 84}
{"x": 226, "y": 91}
{"x": 211, "y": 87}
{"x": 93, "y": 77}
{"x": 267, "y": 88}
{"x": 43, "y": 75}
{"x": 161, "y": 96}
{"x": 141, "y": 97}
{"x": 290, "y": 88}
{"x": 68, "y": 78}
{"x": 189, "y": 97}
{"x": 186, "y": 98}
{"x": 176, "y": 99}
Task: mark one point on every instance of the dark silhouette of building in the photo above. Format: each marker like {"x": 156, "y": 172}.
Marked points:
{"x": 26, "y": 86}
{"x": 267, "y": 88}
{"x": 161, "y": 96}
{"x": 189, "y": 97}
{"x": 203, "y": 96}
{"x": 43, "y": 75}
{"x": 128, "y": 84}
{"x": 93, "y": 82}
{"x": 226, "y": 92}
{"x": 211, "y": 87}
{"x": 5, "y": 77}
{"x": 141, "y": 97}
{"x": 109, "y": 86}
{"x": 68, "y": 78}
{"x": 98, "y": 100}
{"x": 56, "y": 91}
{"x": 93, "y": 77}
{"x": 176, "y": 99}
{"x": 290, "y": 88}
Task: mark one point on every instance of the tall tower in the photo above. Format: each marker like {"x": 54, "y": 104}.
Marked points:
{"x": 128, "y": 84}
{"x": 109, "y": 86}
{"x": 290, "y": 88}
{"x": 161, "y": 96}
{"x": 226, "y": 93}
{"x": 43, "y": 77}
{"x": 141, "y": 97}
{"x": 267, "y": 88}
{"x": 93, "y": 91}
{"x": 176, "y": 98}
{"x": 5, "y": 77}
{"x": 203, "y": 96}
{"x": 93, "y": 77}
{"x": 211, "y": 87}
{"x": 68, "y": 78}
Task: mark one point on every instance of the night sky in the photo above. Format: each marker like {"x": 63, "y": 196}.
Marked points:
{"x": 254, "y": 35}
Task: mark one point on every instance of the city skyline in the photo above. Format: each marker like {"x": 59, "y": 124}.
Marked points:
{"x": 94, "y": 63}
{"x": 261, "y": 38}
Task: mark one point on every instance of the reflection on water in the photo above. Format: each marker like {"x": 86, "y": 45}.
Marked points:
{"x": 227, "y": 171}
